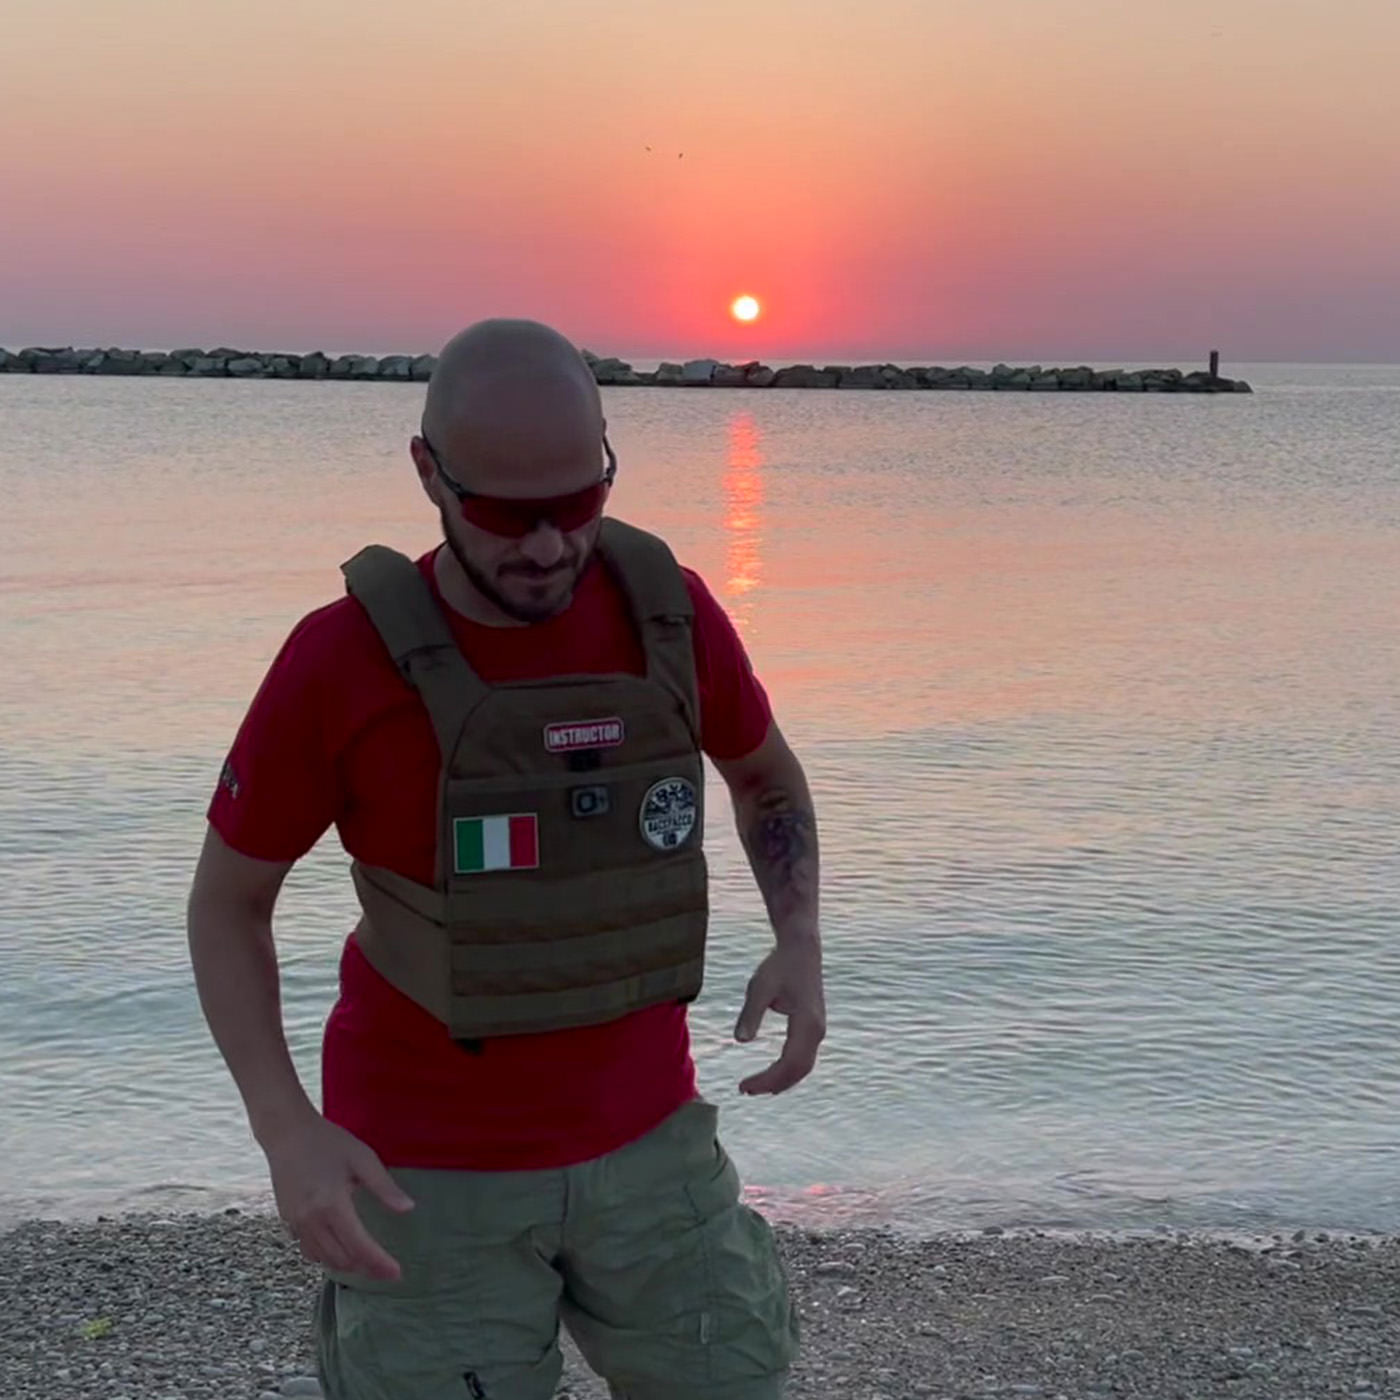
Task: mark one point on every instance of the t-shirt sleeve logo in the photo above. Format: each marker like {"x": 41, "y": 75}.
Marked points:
{"x": 228, "y": 779}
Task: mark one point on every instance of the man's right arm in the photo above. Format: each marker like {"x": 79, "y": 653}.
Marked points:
{"x": 277, "y": 796}
{"x": 315, "y": 1165}
{"x": 235, "y": 971}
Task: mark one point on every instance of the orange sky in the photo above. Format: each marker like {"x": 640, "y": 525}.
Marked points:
{"x": 1056, "y": 179}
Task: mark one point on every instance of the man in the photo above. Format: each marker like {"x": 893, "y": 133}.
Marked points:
{"x": 507, "y": 736}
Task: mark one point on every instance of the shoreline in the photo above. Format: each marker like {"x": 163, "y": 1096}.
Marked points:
{"x": 224, "y": 362}
{"x": 218, "y": 1307}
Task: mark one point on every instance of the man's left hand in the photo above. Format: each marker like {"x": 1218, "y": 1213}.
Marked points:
{"x": 788, "y": 981}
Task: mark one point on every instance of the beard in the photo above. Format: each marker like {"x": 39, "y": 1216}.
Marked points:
{"x": 489, "y": 588}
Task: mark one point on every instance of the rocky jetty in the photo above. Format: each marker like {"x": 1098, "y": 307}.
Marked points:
{"x": 222, "y": 363}
{"x": 225, "y": 363}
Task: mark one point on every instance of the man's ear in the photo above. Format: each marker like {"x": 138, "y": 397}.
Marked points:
{"x": 427, "y": 468}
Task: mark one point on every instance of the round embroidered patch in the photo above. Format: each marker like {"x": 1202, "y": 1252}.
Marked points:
{"x": 669, "y": 813}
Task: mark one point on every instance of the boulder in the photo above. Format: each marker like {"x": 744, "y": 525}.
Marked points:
{"x": 974, "y": 378}
{"x": 893, "y": 377}
{"x": 805, "y": 377}
{"x": 396, "y": 367}
{"x": 862, "y": 377}
{"x": 698, "y": 372}
{"x": 173, "y": 367}
{"x": 247, "y": 367}
{"x": 423, "y": 367}
{"x": 313, "y": 366}
{"x": 65, "y": 361}
{"x": 284, "y": 366}
{"x": 187, "y": 357}
{"x": 611, "y": 370}
{"x": 760, "y": 377}
{"x": 342, "y": 367}
{"x": 732, "y": 376}
{"x": 365, "y": 367}
{"x": 669, "y": 373}
{"x": 1042, "y": 383}
{"x": 115, "y": 361}
{"x": 31, "y": 353}
{"x": 153, "y": 361}
{"x": 208, "y": 367}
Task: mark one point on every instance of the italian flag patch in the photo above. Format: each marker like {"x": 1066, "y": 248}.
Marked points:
{"x": 495, "y": 843}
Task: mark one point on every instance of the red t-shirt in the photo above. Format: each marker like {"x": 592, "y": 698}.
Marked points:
{"x": 336, "y": 736}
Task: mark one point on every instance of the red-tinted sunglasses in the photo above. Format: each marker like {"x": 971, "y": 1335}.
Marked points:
{"x": 516, "y": 516}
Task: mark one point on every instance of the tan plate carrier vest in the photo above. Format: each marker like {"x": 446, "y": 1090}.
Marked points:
{"x": 581, "y": 894}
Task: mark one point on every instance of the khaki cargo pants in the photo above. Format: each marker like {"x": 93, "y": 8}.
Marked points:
{"x": 671, "y": 1287}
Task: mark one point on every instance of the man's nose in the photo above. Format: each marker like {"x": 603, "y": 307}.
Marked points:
{"x": 543, "y": 546}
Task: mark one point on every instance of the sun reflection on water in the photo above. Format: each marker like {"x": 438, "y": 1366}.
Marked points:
{"x": 743, "y": 517}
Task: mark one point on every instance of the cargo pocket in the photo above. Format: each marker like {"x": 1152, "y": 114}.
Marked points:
{"x": 347, "y": 1361}
{"x": 748, "y": 1326}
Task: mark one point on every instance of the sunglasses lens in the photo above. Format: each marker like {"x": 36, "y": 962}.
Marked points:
{"x": 574, "y": 512}
{"x": 497, "y": 517}
{"x": 515, "y": 518}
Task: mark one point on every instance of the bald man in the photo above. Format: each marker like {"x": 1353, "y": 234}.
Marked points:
{"x": 507, "y": 734}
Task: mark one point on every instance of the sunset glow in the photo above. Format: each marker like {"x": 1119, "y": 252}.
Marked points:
{"x": 615, "y": 172}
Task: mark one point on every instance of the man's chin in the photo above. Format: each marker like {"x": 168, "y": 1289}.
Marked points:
{"x": 536, "y": 602}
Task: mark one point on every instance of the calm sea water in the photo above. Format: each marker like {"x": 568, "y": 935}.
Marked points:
{"x": 1098, "y": 696}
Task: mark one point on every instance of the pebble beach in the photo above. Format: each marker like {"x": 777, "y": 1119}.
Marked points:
{"x": 218, "y": 1308}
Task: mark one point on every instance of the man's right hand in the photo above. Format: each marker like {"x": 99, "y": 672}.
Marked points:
{"x": 316, "y": 1167}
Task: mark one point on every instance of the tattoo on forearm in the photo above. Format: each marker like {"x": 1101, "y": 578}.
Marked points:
{"x": 781, "y": 841}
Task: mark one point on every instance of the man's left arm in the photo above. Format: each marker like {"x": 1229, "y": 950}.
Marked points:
{"x": 778, "y": 827}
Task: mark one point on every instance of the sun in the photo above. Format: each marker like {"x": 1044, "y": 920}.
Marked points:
{"x": 745, "y": 308}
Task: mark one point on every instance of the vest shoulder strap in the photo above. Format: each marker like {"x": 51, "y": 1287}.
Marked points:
{"x": 392, "y": 590}
{"x": 648, "y": 570}
{"x": 660, "y": 603}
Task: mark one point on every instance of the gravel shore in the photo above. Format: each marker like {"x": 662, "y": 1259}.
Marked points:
{"x": 218, "y": 1308}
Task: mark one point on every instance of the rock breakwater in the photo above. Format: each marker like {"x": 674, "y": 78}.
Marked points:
{"x": 226, "y": 363}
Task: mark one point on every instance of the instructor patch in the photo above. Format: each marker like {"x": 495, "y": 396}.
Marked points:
{"x": 669, "y": 813}
{"x": 584, "y": 734}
